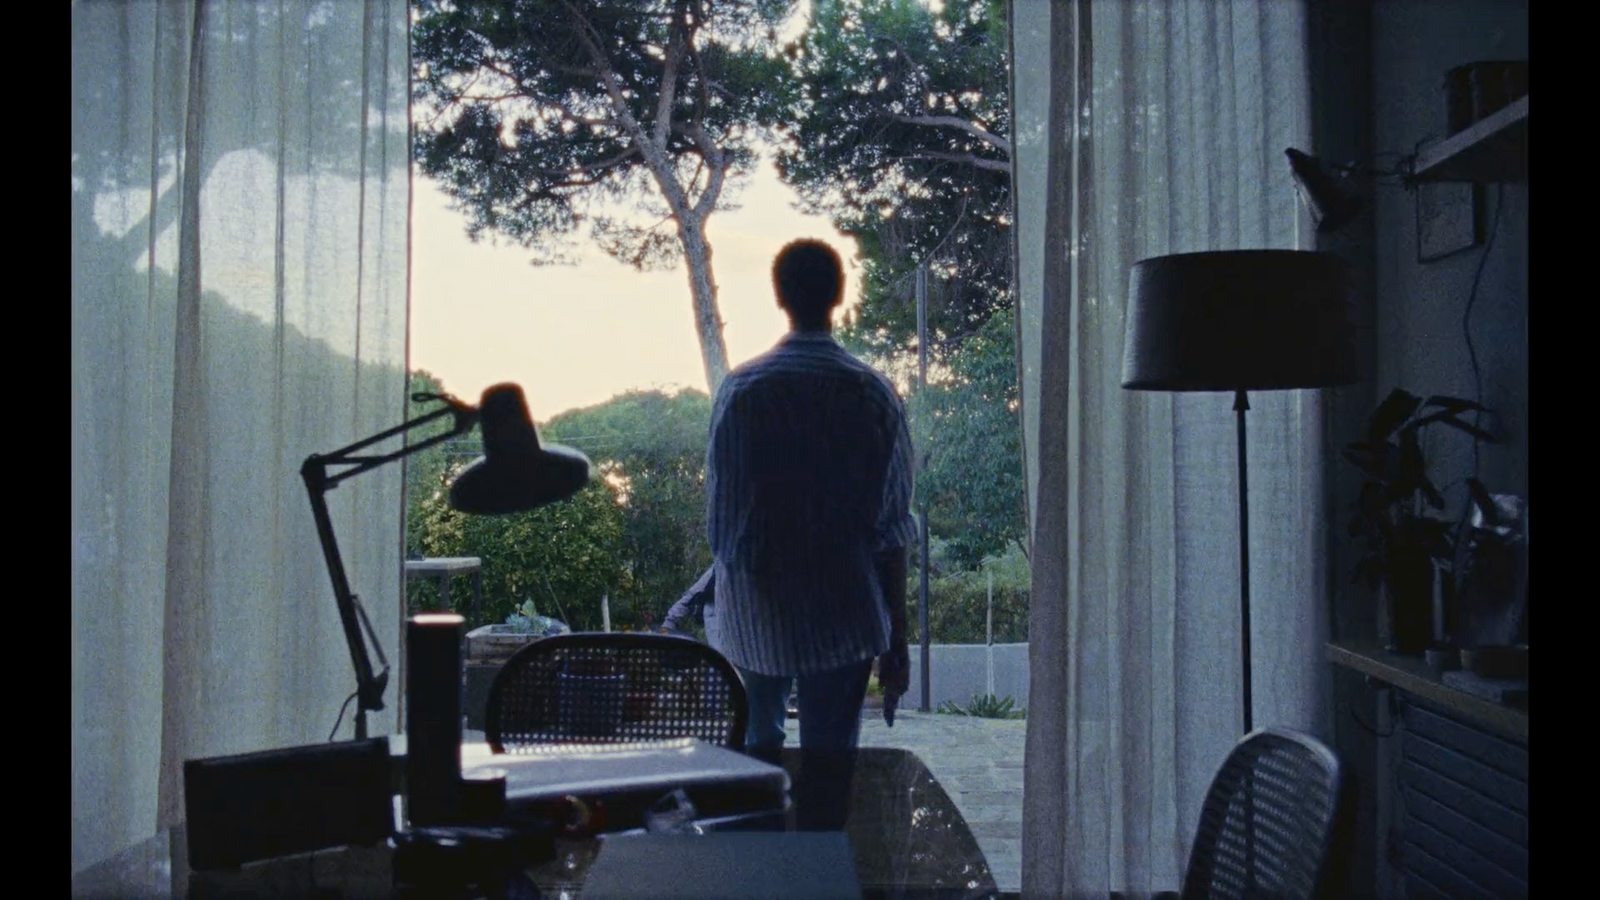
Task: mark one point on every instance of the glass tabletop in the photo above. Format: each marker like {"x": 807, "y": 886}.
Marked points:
{"x": 910, "y": 839}
{"x": 908, "y": 836}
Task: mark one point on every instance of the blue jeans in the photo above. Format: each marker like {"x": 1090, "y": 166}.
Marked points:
{"x": 830, "y": 708}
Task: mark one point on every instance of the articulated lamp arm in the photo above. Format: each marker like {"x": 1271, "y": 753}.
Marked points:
{"x": 324, "y": 471}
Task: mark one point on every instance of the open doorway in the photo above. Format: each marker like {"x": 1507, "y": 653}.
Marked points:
{"x": 880, "y": 126}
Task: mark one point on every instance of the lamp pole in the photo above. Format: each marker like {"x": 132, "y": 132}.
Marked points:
{"x": 1241, "y": 404}
{"x": 922, "y": 504}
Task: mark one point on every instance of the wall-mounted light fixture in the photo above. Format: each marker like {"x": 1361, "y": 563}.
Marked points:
{"x": 1332, "y": 192}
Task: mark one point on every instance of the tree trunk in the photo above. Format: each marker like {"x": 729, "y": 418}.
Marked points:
{"x": 703, "y": 289}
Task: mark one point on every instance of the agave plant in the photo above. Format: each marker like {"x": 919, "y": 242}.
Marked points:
{"x": 982, "y": 706}
{"x": 526, "y": 620}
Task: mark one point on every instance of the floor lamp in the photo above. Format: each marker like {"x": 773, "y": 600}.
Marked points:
{"x": 1239, "y": 321}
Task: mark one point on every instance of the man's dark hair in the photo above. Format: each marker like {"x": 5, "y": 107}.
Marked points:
{"x": 809, "y": 280}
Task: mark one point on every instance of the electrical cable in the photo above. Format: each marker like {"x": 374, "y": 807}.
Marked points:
{"x": 1466, "y": 326}
{"x": 339, "y": 721}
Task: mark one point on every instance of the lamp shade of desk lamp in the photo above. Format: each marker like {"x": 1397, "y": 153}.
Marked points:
{"x": 1239, "y": 321}
{"x": 515, "y": 473}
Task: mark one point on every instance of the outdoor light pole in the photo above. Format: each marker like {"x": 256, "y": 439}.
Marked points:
{"x": 922, "y": 505}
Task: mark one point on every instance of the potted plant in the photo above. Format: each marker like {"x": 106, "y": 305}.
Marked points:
{"x": 494, "y": 644}
{"x": 1491, "y": 572}
{"x": 1397, "y": 519}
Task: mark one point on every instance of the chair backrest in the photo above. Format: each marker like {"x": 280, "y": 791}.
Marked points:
{"x": 614, "y": 688}
{"x": 1267, "y": 820}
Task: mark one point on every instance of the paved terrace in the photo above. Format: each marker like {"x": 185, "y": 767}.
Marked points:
{"x": 979, "y": 764}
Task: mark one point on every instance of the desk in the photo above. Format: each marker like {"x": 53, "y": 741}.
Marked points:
{"x": 1414, "y": 676}
{"x": 442, "y": 568}
{"x": 1450, "y": 782}
{"x": 909, "y": 838}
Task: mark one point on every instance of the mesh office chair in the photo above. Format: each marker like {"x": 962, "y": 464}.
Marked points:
{"x": 1267, "y": 820}
{"x": 606, "y": 688}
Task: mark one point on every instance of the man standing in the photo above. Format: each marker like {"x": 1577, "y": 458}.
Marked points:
{"x": 808, "y": 484}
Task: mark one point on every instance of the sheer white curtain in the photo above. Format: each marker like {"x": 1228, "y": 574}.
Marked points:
{"x": 239, "y": 243}
{"x": 1148, "y": 127}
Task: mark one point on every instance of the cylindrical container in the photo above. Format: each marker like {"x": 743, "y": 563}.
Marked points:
{"x": 1478, "y": 90}
{"x": 433, "y": 718}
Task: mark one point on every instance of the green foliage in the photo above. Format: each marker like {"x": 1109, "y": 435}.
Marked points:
{"x": 984, "y": 706}
{"x": 969, "y": 426}
{"x": 565, "y": 554}
{"x": 958, "y": 599}
{"x": 636, "y": 535}
{"x": 899, "y": 132}
{"x": 517, "y": 122}
{"x": 651, "y": 447}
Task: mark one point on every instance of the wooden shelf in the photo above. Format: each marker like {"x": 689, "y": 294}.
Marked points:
{"x": 1414, "y": 676}
{"x": 1495, "y": 149}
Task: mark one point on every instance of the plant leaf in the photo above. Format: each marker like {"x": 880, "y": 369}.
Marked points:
{"x": 1473, "y": 430}
{"x": 1480, "y": 498}
{"x": 1412, "y": 467}
{"x": 1454, "y": 404}
{"x": 1373, "y": 500}
{"x": 1391, "y": 414}
{"x": 1431, "y": 494}
{"x": 1373, "y": 459}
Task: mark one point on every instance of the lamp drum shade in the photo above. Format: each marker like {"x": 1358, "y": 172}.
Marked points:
{"x": 1239, "y": 320}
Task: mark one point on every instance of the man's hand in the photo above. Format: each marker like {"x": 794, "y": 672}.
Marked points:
{"x": 894, "y": 676}
{"x": 894, "y": 666}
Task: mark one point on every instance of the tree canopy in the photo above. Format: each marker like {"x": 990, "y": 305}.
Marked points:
{"x": 539, "y": 116}
{"x": 563, "y": 556}
{"x": 969, "y": 424}
{"x": 899, "y": 132}
{"x": 651, "y": 446}
{"x": 637, "y": 533}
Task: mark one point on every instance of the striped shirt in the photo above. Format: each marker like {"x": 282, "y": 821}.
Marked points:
{"x": 808, "y": 476}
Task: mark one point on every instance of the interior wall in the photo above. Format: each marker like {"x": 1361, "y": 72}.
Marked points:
{"x": 1378, "y": 70}
{"x": 1339, "y": 33}
{"x": 1421, "y": 344}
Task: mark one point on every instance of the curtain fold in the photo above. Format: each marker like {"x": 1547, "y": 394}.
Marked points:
{"x": 1146, "y": 128}
{"x": 240, "y": 184}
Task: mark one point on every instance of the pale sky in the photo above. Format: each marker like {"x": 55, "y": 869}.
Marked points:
{"x": 575, "y": 336}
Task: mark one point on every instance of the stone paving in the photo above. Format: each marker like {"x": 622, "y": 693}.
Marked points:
{"x": 979, "y": 764}
{"x": 977, "y": 761}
